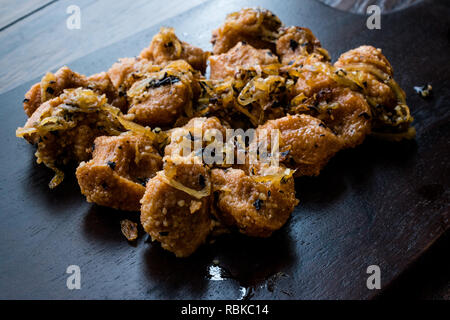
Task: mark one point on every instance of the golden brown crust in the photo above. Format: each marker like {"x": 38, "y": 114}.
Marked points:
{"x": 311, "y": 79}
{"x": 100, "y": 82}
{"x": 378, "y": 91}
{"x": 257, "y": 209}
{"x": 65, "y": 78}
{"x": 295, "y": 42}
{"x": 350, "y": 118}
{"x": 368, "y": 55}
{"x": 309, "y": 143}
{"x": 179, "y": 221}
{"x": 193, "y": 131}
{"x": 68, "y": 136}
{"x": 160, "y": 97}
{"x": 32, "y": 99}
{"x": 162, "y": 106}
{"x": 166, "y": 47}
{"x": 258, "y": 27}
{"x": 118, "y": 171}
{"x": 125, "y": 72}
{"x": 105, "y": 188}
{"x": 241, "y": 55}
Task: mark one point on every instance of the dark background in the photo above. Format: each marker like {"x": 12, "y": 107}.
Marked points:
{"x": 381, "y": 203}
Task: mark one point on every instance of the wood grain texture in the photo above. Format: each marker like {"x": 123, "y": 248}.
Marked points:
{"x": 381, "y": 203}
{"x": 427, "y": 279}
{"x": 42, "y": 41}
{"x": 12, "y": 11}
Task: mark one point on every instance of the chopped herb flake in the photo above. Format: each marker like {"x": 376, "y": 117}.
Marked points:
{"x": 143, "y": 181}
{"x": 365, "y": 115}
{"x": 293, "y": 44}
{"x": 201, "y": 181}
{"x": 111, "y": 164}
{"x": 162, "y": 82}
{"x": 257, "y": 204}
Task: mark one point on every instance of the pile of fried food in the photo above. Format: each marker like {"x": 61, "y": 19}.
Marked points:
{"x": 116, "y": 125}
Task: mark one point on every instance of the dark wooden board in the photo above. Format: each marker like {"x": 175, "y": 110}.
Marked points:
{"x": 381, "y": 203}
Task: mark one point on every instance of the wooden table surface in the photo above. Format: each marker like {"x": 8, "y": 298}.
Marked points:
{"x": 35, "y": 39}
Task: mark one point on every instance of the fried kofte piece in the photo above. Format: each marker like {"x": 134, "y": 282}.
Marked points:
{"x": 345, "y": 112}
{"x": 64, "y": 128}
{"x": 359, "y": 90}
{"x": 102, "y": 84}
{"x": 265, "y": 97}
{"x": 52, "y": 85}
{"x": 312, "y": 75}
{"x": 258, "y": 27}
{"x": 367, "y": 55}
{"x": 166, "y": 47}
{"x": 160, "y": 98}
{"x": 129, "y": 229}
{"x": 331, "y": 96}
{"x": 256, "y": 205}
{"x": 242, "y": 55}
{"x": 176, "y": 207}
{"x": 253, "y": 95}
{"x": 297, "y": 42}
{"x": 194, "y": 136}
{"x": 374, "y": 88}
{"x": 374, "y": 74}
{"x": 306, "y": 141}
{"x": 126, "y": 71}
{"x": 120, "y": 167}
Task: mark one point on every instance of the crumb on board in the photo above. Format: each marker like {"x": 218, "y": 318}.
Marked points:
{"x": 129, "y": 229}
{"x": 424, "y": 91}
